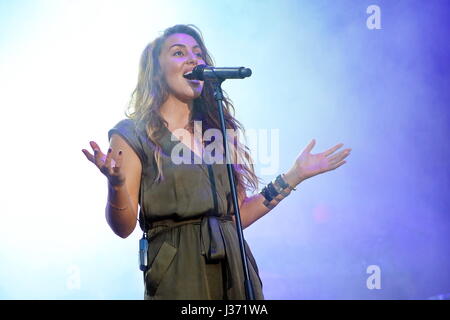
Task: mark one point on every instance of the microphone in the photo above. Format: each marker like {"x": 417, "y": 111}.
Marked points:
{"x": 204, "y": 72}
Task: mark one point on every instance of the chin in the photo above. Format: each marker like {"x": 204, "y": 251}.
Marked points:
{"x": 194, "y": 94}
{"x": 188, "y": 93}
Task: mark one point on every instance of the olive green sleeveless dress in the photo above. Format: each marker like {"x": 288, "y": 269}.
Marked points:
{"x": 193, "y": 244}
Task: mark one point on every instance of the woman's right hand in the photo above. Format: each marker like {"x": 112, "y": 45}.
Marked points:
{"x": 106, "y": 164}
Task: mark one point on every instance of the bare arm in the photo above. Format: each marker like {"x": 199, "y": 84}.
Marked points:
{"x": 306, "y": 166}
{"x": 122, "y": 206}
{"x": 122, "y": 167}
{"x": 253, "y": 208}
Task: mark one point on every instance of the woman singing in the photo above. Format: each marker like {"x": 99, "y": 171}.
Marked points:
{"x": 186, "y": 208}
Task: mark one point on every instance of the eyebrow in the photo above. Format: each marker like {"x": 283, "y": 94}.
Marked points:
{"x": 182, "y": 45}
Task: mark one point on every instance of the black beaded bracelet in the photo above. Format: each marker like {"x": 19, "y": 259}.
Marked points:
{"x": 281, "y": 182}
{"x": 275, "y": 188}
{"x": 286, "y": 185}
{"x": 266, "y": 194}
{"x": 273, "y": 192}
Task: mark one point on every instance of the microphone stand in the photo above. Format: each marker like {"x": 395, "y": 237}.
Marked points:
{"x": 218, "y": 96}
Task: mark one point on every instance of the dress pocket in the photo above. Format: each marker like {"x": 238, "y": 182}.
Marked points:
{"x": 162, "y": 261}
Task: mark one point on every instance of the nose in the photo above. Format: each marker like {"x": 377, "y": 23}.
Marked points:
{"x": 193, "y": 60}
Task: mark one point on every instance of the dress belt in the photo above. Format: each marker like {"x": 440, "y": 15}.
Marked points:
{"x": 211, "y": 236}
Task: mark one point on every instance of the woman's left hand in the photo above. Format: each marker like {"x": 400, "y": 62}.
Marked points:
{"x": 308, "y": 165}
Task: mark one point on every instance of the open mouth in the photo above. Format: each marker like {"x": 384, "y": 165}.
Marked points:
{"x": 193, "y": 81}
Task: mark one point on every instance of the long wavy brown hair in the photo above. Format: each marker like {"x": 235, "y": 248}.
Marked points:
{"x": 152, "y": 91}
